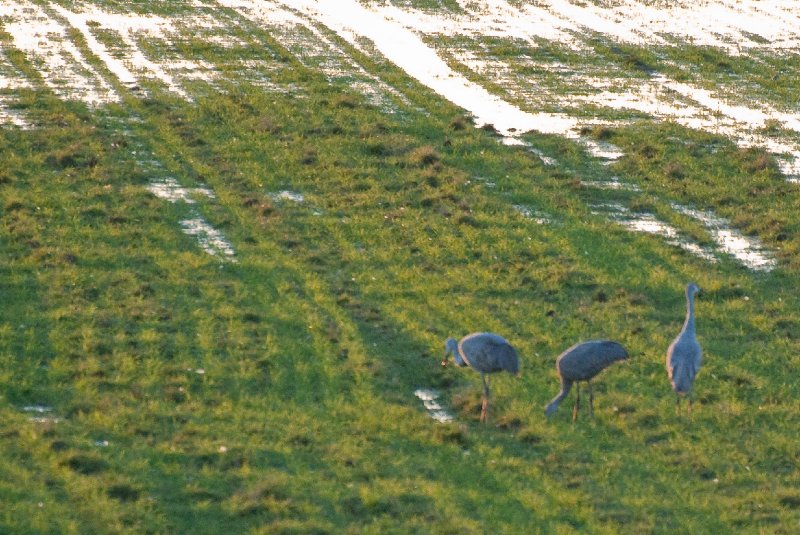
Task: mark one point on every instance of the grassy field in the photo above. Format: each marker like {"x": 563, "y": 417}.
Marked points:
{"x": 147, "y": 386}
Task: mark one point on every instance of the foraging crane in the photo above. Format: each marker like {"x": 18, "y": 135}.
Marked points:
{"x": 684, "y": 354}
{"x": 582, "y": 362}
{"x": 484, "y": 353}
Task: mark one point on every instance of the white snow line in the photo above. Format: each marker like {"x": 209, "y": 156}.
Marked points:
{"x": 429, "y": 398}
{"x": 533, "y": 214}
{"x": 170, "y": 190}
{"x": 41, "y": 414}
{"x": 614, "y": 183}
{"x": 316, "y": 50}
{"x": 407, "y": 50}
{"x": 286, "y": 195}
{"x": 11, "y": 117}
{"x": 123, "y": 24}
{"x": 211, "y": 240}
{"x": 749, "y": 251}
{"x": 11, "y": 81}
{"x": 39, "y": 409}
{"x": 602, "y": 149}
{"x": 46, "y": 42}
{"x": 650, "y": 224}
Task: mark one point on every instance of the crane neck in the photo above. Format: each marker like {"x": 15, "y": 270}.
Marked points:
{"x": 553, "y": 405}
{"x": 688, "y": 325}
{"x": 458, "y": 358}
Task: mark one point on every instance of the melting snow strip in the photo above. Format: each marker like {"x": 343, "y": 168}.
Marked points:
{"x": 11, "y": 117}
{"x": 286, "y": 195}
{"x": 41, "y": 414}
{"x": 396, "y": 33}
{"x": 46, "y": 41}
{"x": 614, "y": 183}
{"x": 749, "y": 251}
{"x": 211, "y": 240}
{"x": 316, "y": 50}
{"x": 602, "y": 150}
{"x": 170, "y": 190}
{"x": 9, "y": 81}
{"x": 650, "y": 224}
{"x": 531, "y": 213}
{"x": 435, "y": 410}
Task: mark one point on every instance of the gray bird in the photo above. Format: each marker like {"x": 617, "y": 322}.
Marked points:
{"x": 484, "y": 353}
{"x": 582, "y": 362}
{"x": 684, "y": 354}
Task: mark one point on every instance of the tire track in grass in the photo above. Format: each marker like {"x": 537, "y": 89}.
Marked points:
{"x": 117, "y": 80}
{"x": 165, "y": 186}
{"x": 125, "y": 45}
{"x": 403, "y": 47}
{"x": 574, "y": 25}
{"x": 301, "y": 37}
{"x": 126, "y": 26}
{"x": 47, "y": 44}
{"x": 394, "y": 351}
{"x": 363, "y": 22}
{"x": 171, "y": 190}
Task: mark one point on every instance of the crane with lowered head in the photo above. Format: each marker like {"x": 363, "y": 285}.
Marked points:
{"x": 582, "y": 362}
{"x": 485, "y": 353}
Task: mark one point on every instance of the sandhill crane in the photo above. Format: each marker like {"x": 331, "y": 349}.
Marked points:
{"x": 484, "y": 353}
{"x": 582, "y": 362}
{"x": 684, "y": 353}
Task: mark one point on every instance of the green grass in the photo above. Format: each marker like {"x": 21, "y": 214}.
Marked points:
{"x": 310, "y": 346}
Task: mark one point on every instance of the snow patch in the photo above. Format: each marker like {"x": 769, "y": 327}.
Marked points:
{"x": 211, "y": 240}
{"x": 650, "y": 224}
{"x": 749, "y": 251}
{"x": 170, "y": 190}
{"x": 531, "y": 213}
{"x": 429, "y": 398}
{"x": 286, "y": 195}
{"x": 47, "y": 43}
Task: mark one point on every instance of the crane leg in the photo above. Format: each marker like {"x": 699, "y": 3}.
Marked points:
{"x": 485, "y": 404}
{"x": 577, "y": 402}
{"x": 591, "y": 400}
